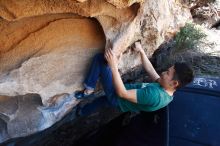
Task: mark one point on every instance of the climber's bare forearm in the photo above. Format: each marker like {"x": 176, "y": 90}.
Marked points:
{"x": 148, "y": 66}
{"x": 121, "y": 91}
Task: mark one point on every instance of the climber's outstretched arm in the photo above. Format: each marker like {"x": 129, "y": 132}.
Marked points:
{"x": 146, "y": 62}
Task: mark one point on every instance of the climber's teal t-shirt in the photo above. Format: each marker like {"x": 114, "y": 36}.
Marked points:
{"x": 150, "y": 97}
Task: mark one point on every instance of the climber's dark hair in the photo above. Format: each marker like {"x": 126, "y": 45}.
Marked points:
{"x": 183, "y": 74}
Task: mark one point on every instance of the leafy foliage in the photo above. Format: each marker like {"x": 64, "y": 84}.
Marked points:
{"x": 188, "y": 38}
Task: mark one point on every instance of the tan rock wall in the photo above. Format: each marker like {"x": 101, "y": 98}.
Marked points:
{"x": 47, "y": 52}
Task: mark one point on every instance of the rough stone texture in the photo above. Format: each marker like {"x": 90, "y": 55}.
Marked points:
{"x": 123, "y": 3}
{"x": 46, "y": 47}
{"x": 72, "y": 127}
{"x": 22, "y": 115}
{"x": 206, "y": 13}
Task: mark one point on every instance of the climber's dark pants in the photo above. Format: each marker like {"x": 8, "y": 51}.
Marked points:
{"x": 100, "y": 69}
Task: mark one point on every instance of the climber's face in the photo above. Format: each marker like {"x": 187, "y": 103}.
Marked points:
{"x": 168, "y": 74}
{"x": 167, "y": 78}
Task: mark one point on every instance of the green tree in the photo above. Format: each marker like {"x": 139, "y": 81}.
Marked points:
{"x": 188, "y": 38}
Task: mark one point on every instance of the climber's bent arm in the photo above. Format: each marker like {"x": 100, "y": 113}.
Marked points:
{"x": 121, "y": 91}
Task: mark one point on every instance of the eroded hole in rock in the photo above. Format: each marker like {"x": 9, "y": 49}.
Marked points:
{"x": 47, "y": 55}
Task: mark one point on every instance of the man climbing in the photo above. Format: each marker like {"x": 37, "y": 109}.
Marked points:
{"x": 138, "y": 96}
